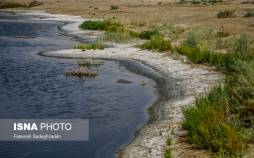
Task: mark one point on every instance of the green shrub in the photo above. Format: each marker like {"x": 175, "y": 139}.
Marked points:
{"x": 81, "y": 74}
{"x": 168, "y": 30}
{"x": 196, "y": 36}
{"x": 168, "y": 153}
{"x": 226, "y": 14}
{"x": 195, "y": 54}
{"x": 195, "y": 2}
{"x": 85, "y": 47}
{"x": 34, "y": 4}
{"x": 249, "y": 13}
{"x": 242, "y": 45}
{"x": 217, "y": 120}
{"x": 148, "y": 34}
{"x": 241, "y": 90}
{"x": 182, "y": 2}
{"x": 105, "y": 25}
{"x": 118, "y": 36}
{"x": 193, "y": 47}
{"x": 12, "y": 5}
{"x": 157, "y": 42}
{"x": 207, "y": 124}
{"x": 19, "y": 5}
{"x": 114, "y": 7}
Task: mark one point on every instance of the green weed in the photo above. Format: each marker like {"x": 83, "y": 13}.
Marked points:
{"x": 93, "y": 46}
{"x": 157, "y": 43}
{"x": 226, "y": 14}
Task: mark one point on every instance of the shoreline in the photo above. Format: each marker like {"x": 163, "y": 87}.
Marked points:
{"x": 150, "y": 140}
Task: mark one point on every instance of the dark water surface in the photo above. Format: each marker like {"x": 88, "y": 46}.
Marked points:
{"x": 33, "y": 86}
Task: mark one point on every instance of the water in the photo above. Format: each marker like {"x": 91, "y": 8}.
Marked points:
{"x": 33, "y": 86}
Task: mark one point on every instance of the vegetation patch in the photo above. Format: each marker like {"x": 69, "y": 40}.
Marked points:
{"x": 168, "y": 30}
{"x": 12, "y": 5}
{"x": 148, "y": 34}
{"x": 221, "y": 120}
{"x": 207, "y": 124}
{"x": 105, "y": 25}
{"x": 168, "y": 153}
{"x": 81, "y": 74}
{"x": 92, "y": 46}
{"x": 249, "y": 14}
{"x": 114, "y": 31}
{"x": 226, "y": 14}
{"x": 34, "y": 4}
{"x": 114, "y": 7}
{"x": 90, "y": 62}
{"x": 118, "y": 36}
{"x": 157, "y": 42}
{"x": 6, "y": 5}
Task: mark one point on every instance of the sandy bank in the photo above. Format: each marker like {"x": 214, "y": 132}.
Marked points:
{"x": 193, "y": 80}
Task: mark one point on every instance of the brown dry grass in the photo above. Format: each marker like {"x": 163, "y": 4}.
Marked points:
{"x": 148, "y": 12}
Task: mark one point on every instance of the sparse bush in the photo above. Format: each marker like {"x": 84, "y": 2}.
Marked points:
{"x": 222, "y": 34}
{"x": 148, "y": 34}
{"x": 105, "y": 25}
{"x": 242, "y": 45}
{"x": 168, "y": 30}
{"x": 195, "y": 2}
{"x": 199, "y": 38}
{"x": 85, "y": 47}
{"x": 34, "y": 4}
{"x": 241, "y": 88}
{"x": 5, "y": 5}
{"x": 118, "y": 36}
{"x": 249, "y": 13}
{"x": 182, "y": 2}
{"x": 226, "y": 14}
{"x": 157, "y": 42}
{"x": 114, "y": 7}
{"x": 12, "y": 5}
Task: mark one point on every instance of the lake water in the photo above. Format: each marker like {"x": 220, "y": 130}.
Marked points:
{"x": 32, "y": 86}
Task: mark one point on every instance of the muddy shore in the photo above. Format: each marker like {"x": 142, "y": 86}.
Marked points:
{"x": 189, "y": 80}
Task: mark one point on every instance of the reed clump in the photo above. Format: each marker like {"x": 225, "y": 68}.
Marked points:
{"x": 81, "y": 74}
{"x": 90, "y": 63}
{"x": 168, "y": 152}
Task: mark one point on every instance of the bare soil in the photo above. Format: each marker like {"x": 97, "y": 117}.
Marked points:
{"x": 147, "y": 12}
